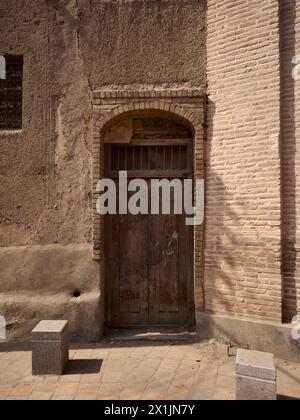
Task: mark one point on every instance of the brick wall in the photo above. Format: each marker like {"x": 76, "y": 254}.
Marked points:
{"x": 243, "y": 212}
{"x": 290, "y": 120}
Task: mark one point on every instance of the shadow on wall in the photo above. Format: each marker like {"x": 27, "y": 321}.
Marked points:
{"x": 220, "y": 284}
{"x": 234, "y": 266}
{"x": 236, "y": 251}
{"x": 291, "y": 256}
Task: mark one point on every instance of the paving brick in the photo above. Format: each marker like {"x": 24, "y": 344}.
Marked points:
{"x": 87, "y": 392}
{"x": 65, "y": 391}
{"x": 22, "y": 390}
{"x": 43, "y": 392}
{"x": 173, "y": 379}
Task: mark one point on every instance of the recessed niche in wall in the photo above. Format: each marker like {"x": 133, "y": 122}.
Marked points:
{"x": 11, "y": 75}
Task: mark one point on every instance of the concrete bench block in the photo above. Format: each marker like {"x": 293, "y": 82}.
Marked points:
{"x": 256, "y": 376}
{"x": 50, "y": 347}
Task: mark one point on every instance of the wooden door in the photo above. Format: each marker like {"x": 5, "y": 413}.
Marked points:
{"x": 149, "y": 258}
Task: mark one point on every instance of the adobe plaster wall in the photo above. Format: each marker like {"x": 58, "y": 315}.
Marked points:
{"x": 72, "y": 48}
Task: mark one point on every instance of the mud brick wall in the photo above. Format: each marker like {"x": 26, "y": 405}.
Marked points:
{"x": 70, "y": 49}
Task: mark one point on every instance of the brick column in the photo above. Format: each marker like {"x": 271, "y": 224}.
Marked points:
{"x": 243, "y": 213}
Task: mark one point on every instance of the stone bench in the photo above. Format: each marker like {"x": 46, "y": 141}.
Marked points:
{"x": 50, "y": 347}
{"x": 256, "y": 376}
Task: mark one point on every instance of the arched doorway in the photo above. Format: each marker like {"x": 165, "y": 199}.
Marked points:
{"x": 148, "y": 258}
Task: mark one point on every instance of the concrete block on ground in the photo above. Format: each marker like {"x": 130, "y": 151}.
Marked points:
{"x": 256, "y": 376}
{"x": 50, "y": 347}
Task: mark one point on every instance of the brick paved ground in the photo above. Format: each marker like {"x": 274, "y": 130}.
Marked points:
{"x": 135, "y": 370}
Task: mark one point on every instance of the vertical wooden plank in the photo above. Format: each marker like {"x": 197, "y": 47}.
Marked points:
{"x": 133, "y": 239}
{"x": 168, "y": 268}
{"x": 149, "y": 158}
{"x": 179, "y": 163}
{"x": 141, "y": 159}
{"x": 126, "y": 158}
{"x": 119, "y": 160}
{"x": 154, "y": 263}
{"x": 112, "y": 272}
{"x": 132, "y": 256}
{"x": 133, "y": 158}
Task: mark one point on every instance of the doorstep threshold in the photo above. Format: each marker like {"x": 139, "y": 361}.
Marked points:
{"x": 150, "y": 334}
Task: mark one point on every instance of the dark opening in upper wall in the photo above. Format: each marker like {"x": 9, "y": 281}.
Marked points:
{"x": 11, "y": 75}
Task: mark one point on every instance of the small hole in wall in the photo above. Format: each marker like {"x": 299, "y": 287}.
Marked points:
{"x": 77, "y": 294}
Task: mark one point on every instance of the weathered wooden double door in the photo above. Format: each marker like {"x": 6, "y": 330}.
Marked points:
{"x": 149, "y": 258}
